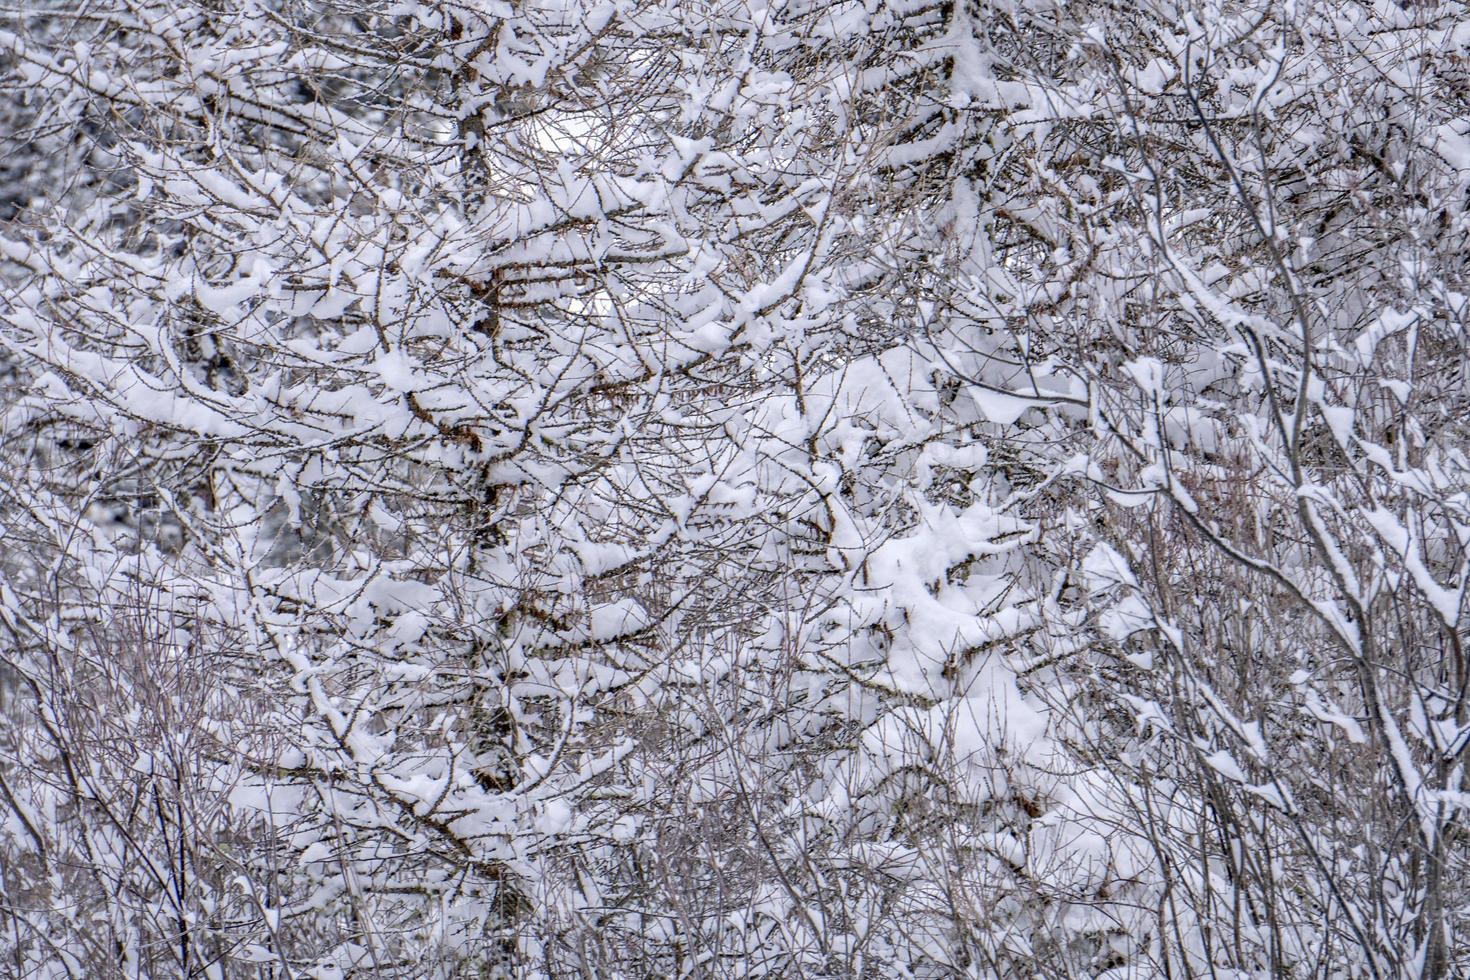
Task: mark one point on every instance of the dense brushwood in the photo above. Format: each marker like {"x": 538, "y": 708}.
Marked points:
{"x": 734, "y": 488}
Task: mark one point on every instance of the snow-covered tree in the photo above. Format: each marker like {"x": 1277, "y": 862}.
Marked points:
{"x": 645, "y": 488}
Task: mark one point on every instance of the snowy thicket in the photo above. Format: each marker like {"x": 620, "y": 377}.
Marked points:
{"x": 728, "y": 488}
